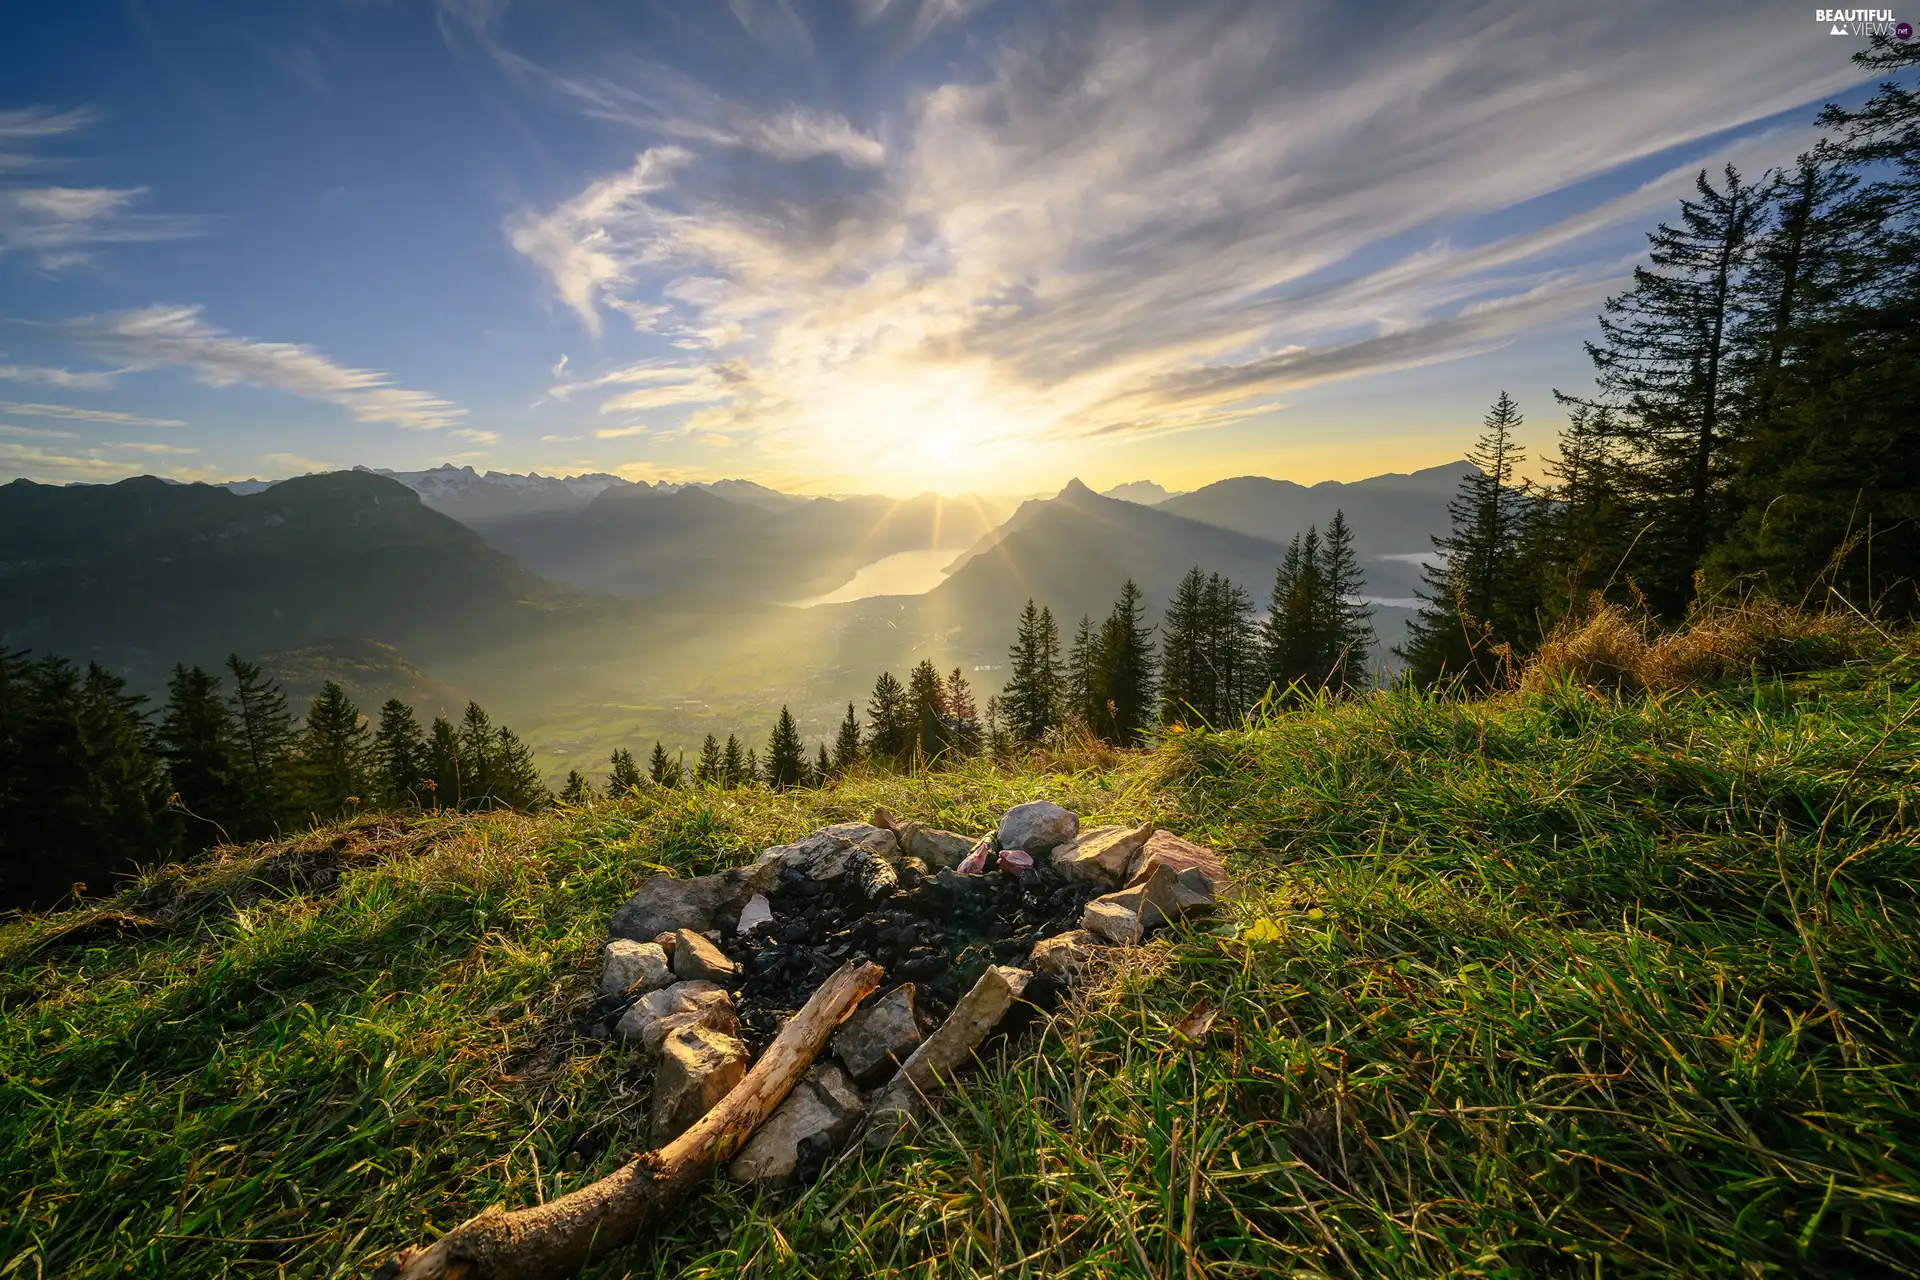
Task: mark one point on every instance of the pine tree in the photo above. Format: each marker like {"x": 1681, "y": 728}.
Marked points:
{"x": 625, "y": 778}
{"x": 925, "y": 712}
{"x": 1187, "y": 677}
{"x": 516, "y": 779}
{"x": 576, "y": 791}
{"x": 734, "y": 765}
{"x": 960, "y": 715}
{"x": 998, "y": 743}
{"x": 1127, "y": 669}
{"x": 266, "y": 740}
{"x": 477, "y": 759}
{"x": 846, "y": 746}
{"x": 333, "y": 752}
{"x": 1292, "y": 637}
{"x": 446, "y": 776}
{"x": 1347, "y": 637}
{"x": 1479, "y": 603}
{"x": 400, "y": 756}
{"x": 1086, "y": 687}
{"x": 786, "y": 758}
{"x": 661, "y": 767}
{"x": 890, "y": 731}
{"x": 1031, "y": 702}
{"x": 711, "y": 770}
{"x": 752, "y": 773}
{"x": 822, "y": 767}
{"x": 201, "y": 749}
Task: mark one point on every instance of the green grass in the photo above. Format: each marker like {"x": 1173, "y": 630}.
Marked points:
{"x": 1549, "y": 984}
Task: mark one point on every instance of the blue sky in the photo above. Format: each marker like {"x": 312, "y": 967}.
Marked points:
{"x": 866, "y": 245}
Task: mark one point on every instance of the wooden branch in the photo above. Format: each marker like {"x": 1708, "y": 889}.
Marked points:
{"x": 556, "y": 1239}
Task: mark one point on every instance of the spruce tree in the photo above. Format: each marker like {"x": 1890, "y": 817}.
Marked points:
{"x": 925, "y": 712}
{"x": 201, "y": 749}
{"x": 1479, "y": 603}
{"x": 786, "y": 757}
{"x": 1292, "y": 636}
{"x": 1187, "y": 676}
{"x": 576, "y": 791}
{"x": 998, "y": 743}
{"x": 1031, "y": 702}
{"x": 516, "y": 781}
{"x": 961, "y": 715}
{"x": 1347, "y": 635}
{"x": 752, "y": 773}
{"x": 1086, "y": 687}
{"x": 822, "y": 767}
{"x": 890, "y": 730}
{"x": 734, "y": 766}
{"x": 1127, "y": 669}
{"x": 846, "y": 745}
{"x": 661, "y": 767}
{"x": 711, "y": 769}
{"x": 625, "y": 777}
{"x": 446, "y": 776}
{"x": 400, "y": 756}
{"x": 265, "y": 730}
{"x": 478, "y": 756}
{"x": 333, "y": 753}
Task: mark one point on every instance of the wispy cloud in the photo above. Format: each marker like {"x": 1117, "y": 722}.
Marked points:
{"x": 72, "y": 379}
{"x": 35, "y": 433}
{"x": 1154, "y": 219}
{"x": 77, "y": 414}
{"x": 178, "y": 336}
{"x": 58, "y": 226}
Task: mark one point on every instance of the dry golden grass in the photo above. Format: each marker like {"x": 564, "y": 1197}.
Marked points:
{"x": 1610, "y": 647}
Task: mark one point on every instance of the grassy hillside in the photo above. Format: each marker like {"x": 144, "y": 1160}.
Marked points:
{"x": 1555, "y": 983}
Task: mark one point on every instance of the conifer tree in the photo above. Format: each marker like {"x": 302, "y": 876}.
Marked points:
{"x": 1086, "y": 687}
{"x": 786, "y": 757}
{"x": 998, "y": 743}
{"x": 926, "y": 712}
{"x": 477, "y": 758}
{"x": 400, "y": 756}
{"x": 846, "y": 746}
{"x": 201, "y": 750}
{"x": 1127, "y": 669}
{"x": 822, "y": 767}
{"x": 661, "y": 767}
{"x": 1186, "y": 674}
{"x": 333, "y": 754}
{"x": 265, "y": 730}
{"x": 1479, "y": 603}
{"x": 1347, "y": 634}
{"x": 734, "y": 766}
{"x": 890, "y": 730}
{"x": 446, "y": 777}
{"x": 711, "y": 769}
{"x": 1031, "y": 702}
{"x": 753, "y": 766}
{"x": 625, "y": 777}
{"x": 576, "y": 791}
{"x": 516, "y": 781}
{"x": 960, "y": 715}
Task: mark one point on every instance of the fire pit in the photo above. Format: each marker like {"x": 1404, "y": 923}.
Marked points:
{"x": 704, "y": 971}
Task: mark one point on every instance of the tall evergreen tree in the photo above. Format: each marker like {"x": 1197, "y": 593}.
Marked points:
{"x": 752, "y": 773}
{"x": 266, "y": 740}
{"x": 1187, "y": 677}
{"x": 786, "y": 757}
{"x": 333, "y": 753}
{"x": 1292, "y": 635}
{"x": 1086, "y": 678}
{"x": 1347, "y": 635}
{"x": 446, "y": 778}
{"x": 926, "y": 711}
{"x": 625, "y": 777}
{"x": 478, "y": 755}
{"x": 890, "y": 733}
{"x": 1127, "y": 670}
{"x": 1479, "y": 602}
{"x": 1031, "y": 702}
{"x": 516, "y": 779}
{"x": 577, "y": 791}
{"x": 734, "y": 766}
{"x": 712, "y": 769}
{"x": 400, "y": 756}
{"x": 201, "y": 750}
{"x": 846, "y": 745}
{"x": 822, "y": 767}
{"x": 662, "y": 768}
{"x": 960, "y": 715}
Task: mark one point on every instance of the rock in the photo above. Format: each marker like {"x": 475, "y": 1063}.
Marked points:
{"x": 938, "y": 849}
{"x": 697, "y": 960}
{"x": 1065, "y": 956}
{"x": 665, "y": 941}
{"x": 874, "y": 1040}
{"x": 815, "y": 1119}
{"x": 648, "y": 1018}
{"x": 757, "y": 912}
{"x": 1015, "y": 862}
{"x": 975, "y": 863}
{"x": 868, "y": 836}
{"x": 1169, "y": 895}
{"x": 1166, "y": 849}
{"x": 666, "y": 903}
{"x": 632, "y": 968}
{"x": 1037, "y": 826}
{"x": 698, "y": 1067}
{"x": 897, "y": 1109}
{"x": 873, "y": 874}
{"x": 1103, "y": 856}
{"x": 1114, "y": 918}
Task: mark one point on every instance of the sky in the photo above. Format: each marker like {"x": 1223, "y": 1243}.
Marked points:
{"x": 861, "y": 245}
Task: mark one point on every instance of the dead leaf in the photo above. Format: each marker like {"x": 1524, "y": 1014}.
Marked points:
{"x": 1198, "y": 1021}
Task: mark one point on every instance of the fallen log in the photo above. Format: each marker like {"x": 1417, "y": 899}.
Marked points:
{"x": 555, "y": 1240}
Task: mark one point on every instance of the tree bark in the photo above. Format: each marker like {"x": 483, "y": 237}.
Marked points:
{"x": 557, "y": 1239}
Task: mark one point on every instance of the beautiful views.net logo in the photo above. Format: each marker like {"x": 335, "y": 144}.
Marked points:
{"x": 1863, "y": 22}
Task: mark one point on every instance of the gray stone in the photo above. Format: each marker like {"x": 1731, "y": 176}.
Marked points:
{"x": 1037, "y": 826}
{"x": 819, "y": 1113}
{"x": 632, "y": 968}
{"x": 938, "y": 849}
{"x": 1101, "y": 857}
{"x": 898, "y": 1108}
{"x": 874, "y": 1040}
{"x": 698, "y": 1067}
{"x": 1114, "y": 918}
{"x": 1065, "y": 956}
{"x": 666, "y": 902}
{"x": 1169, "y": 895}
{"x": 695, "y": 959}
{"x": 648, "y": 1018}
{"x": 1165, "y": 849}
{"x": 757, "y": 912}
{"x": 873, "y": 874}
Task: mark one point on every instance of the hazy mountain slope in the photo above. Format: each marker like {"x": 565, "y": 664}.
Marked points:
{"x": 636, "y": 542}
{"x": 370, "y": 672}
{"x": 1144, "y": 492}
{"x": 1390, "y": 514}
{"x": 141, "y": 574}
{"x": 467, "y": 495}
